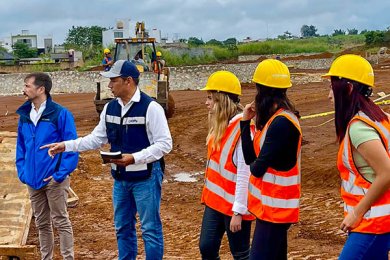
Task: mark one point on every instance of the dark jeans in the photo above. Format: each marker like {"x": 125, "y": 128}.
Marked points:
{"x": 269, "y": 241}
{"x": 214, "y": 225}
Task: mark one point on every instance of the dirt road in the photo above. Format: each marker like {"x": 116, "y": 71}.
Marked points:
{"x": 316, "y": 236}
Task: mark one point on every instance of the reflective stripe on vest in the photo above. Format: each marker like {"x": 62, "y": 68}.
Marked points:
{"x": 219, "y": 191}
{"x": 134, "y": 120}
{"x": 220, "y": 167}
{"x": 354, "y": 187}
{"x": 275, "y": 196}
{"x": 220, "y": 179}
{"x": 374, "y": 212}
{"x": 273, "y": 202}
{"x": 113, "y": 119}
{"x": 138, "y": 120}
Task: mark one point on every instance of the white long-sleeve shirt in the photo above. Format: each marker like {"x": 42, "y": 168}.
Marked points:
{"x": 243, "y": 173}
{"x": 36, "y": 115}
{"x": 156, "y": 128}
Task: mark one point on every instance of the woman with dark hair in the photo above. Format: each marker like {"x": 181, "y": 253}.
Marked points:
{"x": 363, "y": 131}
{"x": 225, "y": 192}
{"x": 274, "y": 159}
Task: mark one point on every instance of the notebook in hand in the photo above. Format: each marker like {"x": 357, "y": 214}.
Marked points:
{"x": 107, "y": 156}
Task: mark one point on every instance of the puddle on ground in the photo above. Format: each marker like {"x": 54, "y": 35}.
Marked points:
{"x": 186, "y": 177}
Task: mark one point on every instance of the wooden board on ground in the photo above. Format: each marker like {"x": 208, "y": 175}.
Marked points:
{"x": 73, "y": 199}
{"x": 15, "y": 207}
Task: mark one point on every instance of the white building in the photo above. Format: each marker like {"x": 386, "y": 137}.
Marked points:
{"x": 124, "y": 28}
{"x": 42, "y": 43}
{"x": 6, "y": 43}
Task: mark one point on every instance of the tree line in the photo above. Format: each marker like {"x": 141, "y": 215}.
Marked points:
{"x": 372, "y": 37}
{"x": 88, "y": 39}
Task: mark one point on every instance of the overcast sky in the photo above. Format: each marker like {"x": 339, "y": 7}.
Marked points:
{"x": 206, "y": 19}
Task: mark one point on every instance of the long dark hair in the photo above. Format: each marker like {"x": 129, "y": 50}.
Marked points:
{"x": 268, "y": 101}
{"x": 349, "y": 101}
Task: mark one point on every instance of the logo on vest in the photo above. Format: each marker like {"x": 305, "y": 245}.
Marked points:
{"x": 134, "y": 121}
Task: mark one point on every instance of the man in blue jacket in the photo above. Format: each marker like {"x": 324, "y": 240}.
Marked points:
{"x": 41, "y": 122}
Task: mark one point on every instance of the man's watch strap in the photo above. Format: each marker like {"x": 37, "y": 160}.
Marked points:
{"x": 236, "y": 213}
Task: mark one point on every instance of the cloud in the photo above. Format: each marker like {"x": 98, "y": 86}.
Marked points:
{"x": 206, "y": 19}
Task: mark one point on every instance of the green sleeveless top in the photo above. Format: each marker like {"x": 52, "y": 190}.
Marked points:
{"x": 359, "y": 133}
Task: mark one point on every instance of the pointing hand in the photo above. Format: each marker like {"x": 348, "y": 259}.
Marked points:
{"x": 54, "y": 148}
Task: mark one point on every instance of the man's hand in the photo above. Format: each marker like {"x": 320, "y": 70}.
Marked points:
{"x": 54, "y": 148}
{"x": 126, "y": 159}
{"x": 235, "y": 223}
{"x": 249, "y": 111}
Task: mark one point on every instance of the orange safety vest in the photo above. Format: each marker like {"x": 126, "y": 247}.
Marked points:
{"x": 221, "y": 173}
{"x": 275, "y": 196}
{"x": 157, "y": 68}
{"x": 354, "y": 186}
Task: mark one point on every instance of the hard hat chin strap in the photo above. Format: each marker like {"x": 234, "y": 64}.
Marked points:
{"x": 365, "y": 90}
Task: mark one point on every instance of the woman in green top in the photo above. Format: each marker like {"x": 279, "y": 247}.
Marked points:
{"x": 363, "y": 131}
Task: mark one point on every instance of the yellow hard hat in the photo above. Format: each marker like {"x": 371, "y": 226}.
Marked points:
{"x": 158, "y": 54}
{"x": 106, "y": 50}
{"x": 224, "y": 81}
{"x": 272, "y": 73}
{"x": 353, "y": 67}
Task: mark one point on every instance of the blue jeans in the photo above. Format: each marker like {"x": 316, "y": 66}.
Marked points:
{"x": 214, "y": 225}
{"x": 361, "y": 246}
{"x": 143, "y": 197}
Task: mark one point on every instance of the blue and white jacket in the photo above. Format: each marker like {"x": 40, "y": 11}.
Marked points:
{"x": 33, "y": 164}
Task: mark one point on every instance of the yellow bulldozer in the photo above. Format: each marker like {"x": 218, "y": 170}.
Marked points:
{"x": 141, "y": 50}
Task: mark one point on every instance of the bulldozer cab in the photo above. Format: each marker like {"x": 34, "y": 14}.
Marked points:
{"x": 142, "y": 52}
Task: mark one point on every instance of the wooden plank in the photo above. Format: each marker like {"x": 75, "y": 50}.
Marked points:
{"x": 27, "y": 227}
{"x": 73, "y": 199}
{"x": 23, "y": 252}
{"x": 15, "y": 207}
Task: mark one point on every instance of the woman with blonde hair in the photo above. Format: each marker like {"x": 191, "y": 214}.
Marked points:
{"x": 363, "y": 131}
{"x": 226, "y": 179}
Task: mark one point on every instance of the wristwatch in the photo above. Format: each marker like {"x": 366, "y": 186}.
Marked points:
{"x": 236, "y": 213}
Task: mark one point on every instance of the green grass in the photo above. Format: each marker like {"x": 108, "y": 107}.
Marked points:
{"x": 308, "y": 45}
{"x": 320, "y": 44}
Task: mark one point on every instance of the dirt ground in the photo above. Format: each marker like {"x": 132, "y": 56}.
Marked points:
{"x": 316, "y": 236}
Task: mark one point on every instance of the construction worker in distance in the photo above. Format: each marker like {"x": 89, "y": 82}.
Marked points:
{"x": 274, "y": 159}
{"x": 158, "y": 65}
{"x": 225, "y": 191}
{"x": 363, "y": 132}
{"x": 107, "y": 60}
